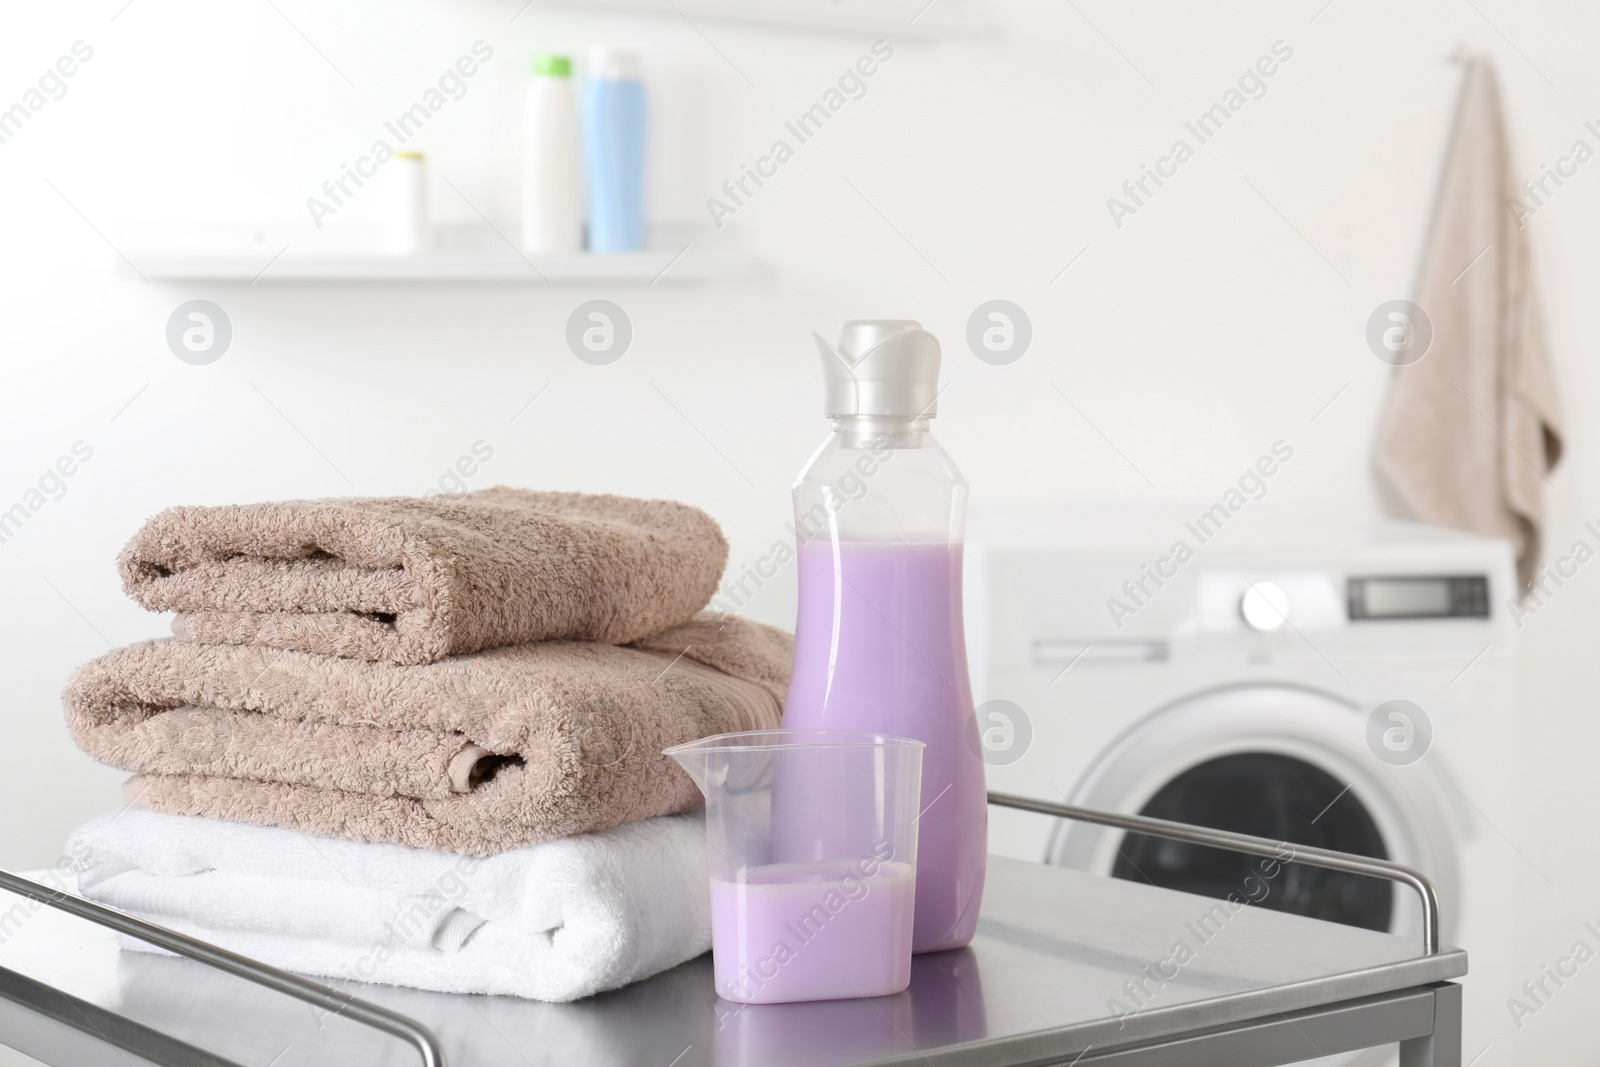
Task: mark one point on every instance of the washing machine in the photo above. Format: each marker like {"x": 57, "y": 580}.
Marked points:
{"x": 1349, "y": 686}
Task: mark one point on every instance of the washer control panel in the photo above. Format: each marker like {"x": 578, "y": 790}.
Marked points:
{"x": 1282, "y": 601}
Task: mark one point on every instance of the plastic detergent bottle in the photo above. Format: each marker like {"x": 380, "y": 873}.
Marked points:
{"x": 552, "y": 165}
{"x": 879, "y": 642}
{"x": 614, "y": 136}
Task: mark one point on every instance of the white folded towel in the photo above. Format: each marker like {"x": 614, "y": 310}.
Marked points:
{"x": 554, "y": 921}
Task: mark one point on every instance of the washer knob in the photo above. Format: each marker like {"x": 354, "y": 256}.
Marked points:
{"x": 1265, "y": 607}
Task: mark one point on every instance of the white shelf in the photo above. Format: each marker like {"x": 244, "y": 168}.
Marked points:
{"x": 461, "y": 252}
{"x": 895, "y": 19}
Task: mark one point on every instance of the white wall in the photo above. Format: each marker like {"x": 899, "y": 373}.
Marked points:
{"x": 1222, "y": 316}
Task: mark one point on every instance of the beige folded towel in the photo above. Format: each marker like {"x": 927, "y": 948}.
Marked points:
{"x": 1472, "y": 429}
{"x": 474, "y": 754}
{"x": 412, "y": 580}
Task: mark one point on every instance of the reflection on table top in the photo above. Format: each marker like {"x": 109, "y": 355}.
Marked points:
{"x": 1062, "y": 961}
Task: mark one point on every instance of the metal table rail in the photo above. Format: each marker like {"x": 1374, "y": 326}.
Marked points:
{"x": 1421, "y": 1046}
{"x": 1283, "y": 851}
{"x": 313, "y": 993}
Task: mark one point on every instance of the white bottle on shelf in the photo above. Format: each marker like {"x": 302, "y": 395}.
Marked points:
{"x": 552, "y": 179}
{"x": 406, "y": 228}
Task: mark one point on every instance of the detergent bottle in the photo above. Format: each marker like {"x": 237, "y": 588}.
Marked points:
{"x": 879, "y": 641}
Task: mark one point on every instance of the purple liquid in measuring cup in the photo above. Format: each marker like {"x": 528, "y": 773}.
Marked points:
{"x": 812, "y": 931}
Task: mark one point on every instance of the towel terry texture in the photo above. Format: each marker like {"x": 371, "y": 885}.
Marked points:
{"x": 413, "y": 580}
{"x": 555, "y": 921}
{"x": 473, "y": 754}
{"x": 1472, "y": 429}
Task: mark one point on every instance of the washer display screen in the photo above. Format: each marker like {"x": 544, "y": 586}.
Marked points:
{"x": 1442, "y": 597}
{"x": 1273, "y": 796}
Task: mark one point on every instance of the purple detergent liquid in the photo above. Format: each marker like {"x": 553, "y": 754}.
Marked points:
{"x": 880, "y": 646}
{"x": 812, "y": 931}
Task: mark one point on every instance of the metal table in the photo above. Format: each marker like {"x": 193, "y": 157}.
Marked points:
{"x": 1067, "y": 969}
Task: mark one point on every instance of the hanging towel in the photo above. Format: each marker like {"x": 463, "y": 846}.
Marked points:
{"x": 1470, "y": 432}
{"x": 414, "y": 579}
{"x": 473, "y": 754}
{"x": 555, "y": 921}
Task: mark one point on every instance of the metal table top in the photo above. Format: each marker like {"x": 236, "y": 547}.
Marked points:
{"x": 1063, "y": 961}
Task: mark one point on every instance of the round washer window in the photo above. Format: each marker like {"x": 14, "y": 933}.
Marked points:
{"x": 1273, "y": 796}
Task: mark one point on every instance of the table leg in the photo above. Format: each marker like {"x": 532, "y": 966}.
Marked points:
{"x": 1442, "y": 1048}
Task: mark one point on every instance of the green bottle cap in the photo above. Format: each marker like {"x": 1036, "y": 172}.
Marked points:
{"x": 549, "y": 66}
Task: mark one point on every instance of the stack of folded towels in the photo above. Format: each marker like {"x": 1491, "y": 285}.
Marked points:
{"x": 418, "y": 741}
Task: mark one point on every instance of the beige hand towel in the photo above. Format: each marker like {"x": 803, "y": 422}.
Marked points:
{"x": 412, "y": 580}
{"x": 474, "y": 754}
{"x": 1471, "y": 431}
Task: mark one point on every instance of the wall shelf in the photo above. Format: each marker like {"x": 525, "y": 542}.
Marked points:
{"x": 893, "y": 19}
{"x": 461, "y": 252}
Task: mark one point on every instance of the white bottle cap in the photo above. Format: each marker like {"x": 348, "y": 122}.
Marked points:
{"x": 887, "y": 367}
{"x": 613, "y": 64}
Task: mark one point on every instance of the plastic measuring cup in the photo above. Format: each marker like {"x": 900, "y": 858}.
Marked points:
{"x": 813, "y": 861}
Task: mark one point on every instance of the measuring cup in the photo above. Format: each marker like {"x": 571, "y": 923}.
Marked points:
{"x": 813, "y": 861}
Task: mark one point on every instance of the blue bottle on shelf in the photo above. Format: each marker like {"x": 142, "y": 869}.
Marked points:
{"x": 614, "y": 135}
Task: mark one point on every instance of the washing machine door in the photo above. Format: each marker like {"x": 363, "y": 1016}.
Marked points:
{"x": 1279, "y": 762}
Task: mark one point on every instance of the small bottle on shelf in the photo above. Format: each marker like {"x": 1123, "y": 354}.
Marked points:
{"x": 552, "y": 165}
{"x": 406, "y": 229}
{"x": 614, "y": 139}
